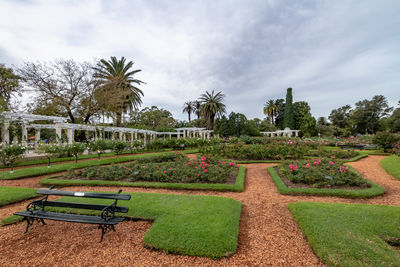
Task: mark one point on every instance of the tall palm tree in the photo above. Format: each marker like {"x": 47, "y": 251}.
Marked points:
{"x": 211, "y": 106}
{"x": 270, "y": 109}
{"x": 189, "y": 108}
{"x": 119, "y": 86}
{"x": 197, "y": 108}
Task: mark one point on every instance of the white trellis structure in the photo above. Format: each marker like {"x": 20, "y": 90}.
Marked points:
{"x": 60, "y": 123}
{"x": 285, "y": 132}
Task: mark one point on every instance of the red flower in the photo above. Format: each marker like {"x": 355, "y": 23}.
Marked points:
{"x": 205, "y": 170}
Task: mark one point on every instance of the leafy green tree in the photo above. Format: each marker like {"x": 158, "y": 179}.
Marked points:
{"x": 197, "y": 108}
{"x": 386, "y": 140}
{"x": 9, "y": 85}
{"x": 322, "y": 121}
{"x": 301, "y": 109}
{"x": 237, "y": 124}
{"x": 75, "y": 149}
{"x": 119, "y": 146}
{"x": 10, "y": 154}
{"x": 394, "y": 121}
{"x": 119, "y": 86}
{"x": 367, "y": 114}
{"x": 222, "y": 126}
{"x": 152, "y": 118}
{"x": 212, "y": 105}
{"x": 188, "y": 108}
{"x": 341, "y": 117}
{"x": 288, "y": 119}
{"x": 280, "y": 107}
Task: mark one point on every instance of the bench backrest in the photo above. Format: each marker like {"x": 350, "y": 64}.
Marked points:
{"x": 88, "y": 206}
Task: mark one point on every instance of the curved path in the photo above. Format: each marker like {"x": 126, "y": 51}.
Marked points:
{"x": 268, "y": 234}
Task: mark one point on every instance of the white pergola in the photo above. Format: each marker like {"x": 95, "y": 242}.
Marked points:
{"x": 59, "y": 123}
{"x": 285, "y": 132}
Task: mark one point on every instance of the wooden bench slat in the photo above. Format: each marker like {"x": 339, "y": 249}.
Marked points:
{"x": 48, "y": 215}
{"x": 84, "y": 206}
{"x": 84, "y": 194}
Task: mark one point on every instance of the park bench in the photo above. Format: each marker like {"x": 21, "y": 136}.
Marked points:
{"x": 180, "y": 147}
{"x": 35, "y": 211}
{"x": 357, "y": 146}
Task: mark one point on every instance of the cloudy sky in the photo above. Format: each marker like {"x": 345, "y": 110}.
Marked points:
{"x": 331, "y": 53}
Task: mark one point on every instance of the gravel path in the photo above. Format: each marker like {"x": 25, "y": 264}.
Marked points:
{"x": 268, "y": 235}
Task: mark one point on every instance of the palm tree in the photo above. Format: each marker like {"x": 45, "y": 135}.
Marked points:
{"x": 197, "y": 108}
{"x": 189, "y": 108}
{"x": 119, "y": 86}
{"x": 270, "y": 109}
{"x": 211, "y": 106}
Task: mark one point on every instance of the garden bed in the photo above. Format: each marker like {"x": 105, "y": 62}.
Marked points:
{"x": 372, "y": 191}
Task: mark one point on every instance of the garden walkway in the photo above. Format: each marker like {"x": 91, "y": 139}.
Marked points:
{"x": 268, "y": 235}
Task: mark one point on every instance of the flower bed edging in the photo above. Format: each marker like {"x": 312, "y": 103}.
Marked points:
{"x": 237, "y": 187}
{"x": 373, "y": 191}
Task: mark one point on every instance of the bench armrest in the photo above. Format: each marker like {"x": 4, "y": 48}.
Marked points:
{"x": 108, "y": 212}
{"x": 36, "y": 205}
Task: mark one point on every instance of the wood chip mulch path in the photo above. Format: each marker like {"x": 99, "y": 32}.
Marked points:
{"x": 269, "y": 235}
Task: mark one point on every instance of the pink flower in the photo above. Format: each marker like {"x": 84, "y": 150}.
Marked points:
{"x": 331, "y": 170}
{"x": 170, "y": 168}
{"x": 205, "y": 170}
{"x": 198, "y": 174}
{"x": 124, "y": 167}
{"x": 331, "y": 162}
{"x": 307, "y": 165}
{"x": 163, "y": 172}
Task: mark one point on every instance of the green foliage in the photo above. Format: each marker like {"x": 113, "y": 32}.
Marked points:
{"x": 119, "y": 146}
{"x": 10, "y": 195}
{"x": 100, "y": 145}
{"x": 53, "y": 150}
{"x": 241, "y": 151}
{"x": 320, "y": 173}
{"x": 75, "y": 149}
{"x": 152, "y": 118}
{"x": 212, "y": 105}
{"x": 367, "y": 114}
{"x": 334, "y": 154}
{"x": 341, "y": 117}
{"x": 288, "y": 119}
{"x": 350, "y": 234}
{"x": 9, "y": 85}
{"x": 386, "y": 140}
{"x": 394, "y": 121}
{"x": 178, "y": 169}
{"x": 9, "y": 154}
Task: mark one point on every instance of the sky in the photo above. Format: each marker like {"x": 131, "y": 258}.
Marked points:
{"x": 331, "y": 53}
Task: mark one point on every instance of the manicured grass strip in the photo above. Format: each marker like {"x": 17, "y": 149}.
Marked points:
{"x": 237, "y": 187}
{"x": 374, "y": 190}
{"x": 361, "y": 156}
{"x": 349, "y": 234}
{"x": 10, "y": 195}
{"x": 392, "y": 166}
{"x": 42, "y": 170}
{"x": 206, "y": 226}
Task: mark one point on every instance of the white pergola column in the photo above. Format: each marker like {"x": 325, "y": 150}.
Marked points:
{"x": 184, "y": 133}
{"x": 178, "y": 135}
{"x": 144, "y": 139}
{"x": 70, "y": 135}
{"x": 112, "y": 135}
{"x": 120, "y": 136}
{"x": 170, "y": 136}
{"x": 208, "y": 135}
{"x": 6, "y": 133}
{"x": 297, "y": 133}
{"x": 24, "y": 134}
{"x": 95, "y": 135}
{"x": 37, "y": 137}
{"x": 58, "y": 132}
{"x": 132, "y": 135}
{"x": 136, "y": 136}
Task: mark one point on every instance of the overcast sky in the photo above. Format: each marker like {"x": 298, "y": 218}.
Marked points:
{"x": 331, "y": 53}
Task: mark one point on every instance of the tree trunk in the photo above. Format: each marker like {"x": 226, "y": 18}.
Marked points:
{"x": 119, "y": 118}
{"x": 189, "y": 116}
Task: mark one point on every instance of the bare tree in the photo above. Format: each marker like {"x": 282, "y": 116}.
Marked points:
{"x": 63, "y": 88}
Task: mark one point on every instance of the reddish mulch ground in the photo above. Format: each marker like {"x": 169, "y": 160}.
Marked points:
{"x": 268, "y": 236}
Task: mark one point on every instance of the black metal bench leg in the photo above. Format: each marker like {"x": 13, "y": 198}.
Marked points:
{"x": 28, "y": 223}
{"x": 105, "y": 228}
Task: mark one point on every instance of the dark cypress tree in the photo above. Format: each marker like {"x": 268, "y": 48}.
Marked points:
{"x": 288, "y": 118}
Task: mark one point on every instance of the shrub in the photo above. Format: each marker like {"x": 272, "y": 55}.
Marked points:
{"x": 335, "y": 154}
{"x": 75, "y": 149}
{"x": 100, "y": 146}
{"x": 9, "y": 154}
{"x": 119, "y": 146}
{"x": 386, "y": 140}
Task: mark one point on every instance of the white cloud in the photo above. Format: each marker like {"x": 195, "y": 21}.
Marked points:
{"x": 329, "y": 52}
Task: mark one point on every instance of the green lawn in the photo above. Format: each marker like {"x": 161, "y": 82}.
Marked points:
{"x": 350, "y": 234}
{"x": 374, "y": 190}
{"x": 184, "y": 224}
{"x": 42, "y": 170}
{"x": 237, "y": 187}
{"x": 10, "y": 195}
{"x": 392, "y": 166}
